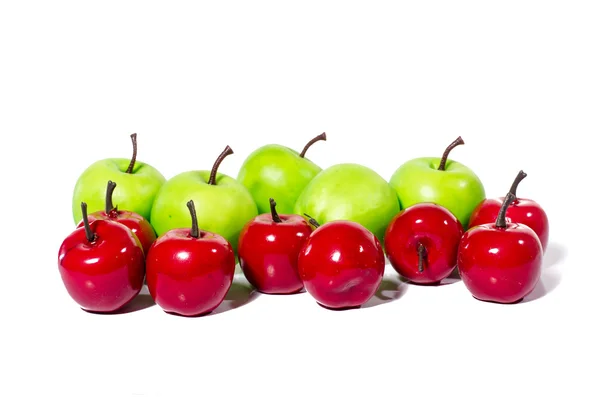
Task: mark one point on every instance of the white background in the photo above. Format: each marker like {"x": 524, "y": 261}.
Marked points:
{"x": 387, "y": 81}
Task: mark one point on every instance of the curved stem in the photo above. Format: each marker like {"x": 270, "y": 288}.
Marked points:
{"x": 520, "y": 176}
{"x": 501, "y": 219}
{"x": 89, "y": 235}
{"x": 110, "y": 188}
{"x": 213, "y": 172}
{"x": 312, "y": 220}
{"x": 274, "y": 213}
{"x": 422, "y": 256}
{"x": 133, "y": 157}
{"x": 320, "y": 137}
{"x": 455, "y": 143}
{"x": 195, "y": 232}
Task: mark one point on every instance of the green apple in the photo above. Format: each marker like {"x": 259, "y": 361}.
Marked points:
{"x": 276, "y": 171}
{"x": 138, "y": 184}
{"x": 439, "y": 180}
{"x": 223, "y": 205}
{"x": 350, "y": 192}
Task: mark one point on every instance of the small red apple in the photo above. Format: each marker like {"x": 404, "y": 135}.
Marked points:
{"x": 101, "y": 265}
{"x": 341, "y": 264}
{"x": 189, "y": 271}
{"x": 268, "y": 250}
{"x": 134, "y": 221}
{"x": 500, "y": 262}
{"x": 421, "y": 243}
{"x": 521, "y": 210}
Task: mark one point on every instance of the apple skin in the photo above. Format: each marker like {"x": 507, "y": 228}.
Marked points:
{"x": 269, "y": 250}
{"x": 223, "y": 208}
{"x": 431, "y": 225}
{"x": 276, "y": 171}
{"x": 135, "y": 222}
{"x": 350, "y": 192}
{"x": 521, "y": 210}
{"x": 457, "y": 188}
{"x": 500, "y": 265}
{"x": 189, "y": 276}
{"x": 136, "y": 190}
{"x": 104, "y": 275}
{"x": 341, "y": 265}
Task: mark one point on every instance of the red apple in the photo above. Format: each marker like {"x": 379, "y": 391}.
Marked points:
{"x": 134, "y": 221}
{"x": 268, "y": 250}
{"x": 521, "y": 210}
{"x": 189, "y": 271}
{"x": 101, "y": 265}
{"x": 500, "y": 262}
{"x": 341, "y": 264}
{"x": 421, "y": 243}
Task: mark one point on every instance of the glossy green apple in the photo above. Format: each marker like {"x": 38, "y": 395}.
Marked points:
{"x": 280, "y": 172}
{"x": 223, "y": 205}
{"x": 439, "y": 180}
{"x": 138, "y": 184}
{"x": 351, "y": 192}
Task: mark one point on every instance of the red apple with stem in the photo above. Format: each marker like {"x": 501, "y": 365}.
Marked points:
{"x": 189, "y": 271}
{"x": 134, "y": 221}
{"x": 422, "y": 243}
{"x": 268, "y": 251}
{"x": 341, "y": 264}
{"x": 521, "y": 210}
{"x": 101, "y": 264}
{"x": 500, "y": 262}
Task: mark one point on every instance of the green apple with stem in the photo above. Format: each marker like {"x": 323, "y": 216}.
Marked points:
{"x": 278, "y": 171}
{"x": 138, "y": 184}
{"x": 350, "y": 192}
{"x": 439, "y": 180}
{"x": 223, "y": 205}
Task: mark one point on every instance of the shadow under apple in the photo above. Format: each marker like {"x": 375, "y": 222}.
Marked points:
{"x": 391, "y": 289}
{"x": 240, "y": 293}
{"x": 142, "y": 301}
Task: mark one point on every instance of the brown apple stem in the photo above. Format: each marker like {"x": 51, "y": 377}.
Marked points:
{"x": 195, "y": 232}
{"x": 213, "y": 172}
{"x": 274, "y": 213}
{"x": 520, "y": 176}
{"x": 110, "y": 188}
{"x": 312, "y": 220}
{"x": 320, "y": 137}
{"x": 89, "y": 235}
{"x": 133, "y": 157}
{"x": 422, "y": 256}
{"x": 501, "y": 220}
{"x": 455, "y": 143}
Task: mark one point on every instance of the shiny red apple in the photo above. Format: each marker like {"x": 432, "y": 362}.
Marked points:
{"x": 268, "y": 251}
{"x": 101, "y": 265}
{"x": 500, "y": 262}
{"x": 134, "y": 221}
{"x": 189, "y": 271}
{"x": 421, "y": 243}
{"x": 341, "y": 264}
{"x": 521, "y": 210}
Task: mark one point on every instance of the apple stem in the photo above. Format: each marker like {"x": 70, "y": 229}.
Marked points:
{"x": 518, "y": 179}
{"x": 133, "y": 157}
{"x": 274, "y": 213}
{"x": 213, "y": 172}
{"x": 455, "y": 143}
{"x": 195, "y": 232}
{"x": 110, "y": 188}
{"x": 89, "y": 235}
{"x": 501, "y": 220}
{"x": 422, "y": 255}
{"x": 312, "y": 220}
{"x": 320, "y": 137}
